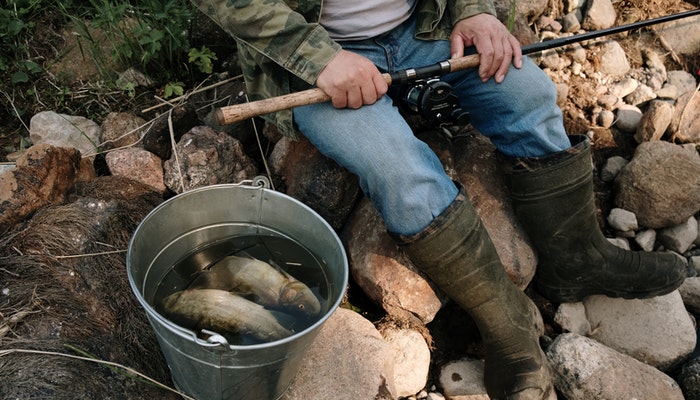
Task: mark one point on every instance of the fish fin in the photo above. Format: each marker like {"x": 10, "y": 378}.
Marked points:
{"x": 276, "y": 266}
{"x": 289, "y": 293}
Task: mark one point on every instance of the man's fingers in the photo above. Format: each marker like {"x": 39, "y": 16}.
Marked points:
{"x": 505, "y": 60}
{"x": 354, "y": 97}
{"x": 380, "y": 86}
{"x": 517, "y": 51}
{"x": 486, "y": 59}
{"x": 339, "y": 99}
{"x": 457, "y": 46}
{"x": 351, "y": 81}
{"x": 499, "y": 58}
{"x": 497, "y": 48}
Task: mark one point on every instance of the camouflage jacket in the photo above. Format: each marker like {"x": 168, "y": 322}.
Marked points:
{"x": 282, "y": 48}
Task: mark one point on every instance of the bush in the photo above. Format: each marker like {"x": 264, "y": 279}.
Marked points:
{"x": 150, "y": 35}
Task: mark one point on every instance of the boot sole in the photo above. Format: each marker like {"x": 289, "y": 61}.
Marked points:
{"x": 576, "y": 294}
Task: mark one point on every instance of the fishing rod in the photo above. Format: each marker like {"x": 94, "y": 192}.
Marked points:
{"x": 239, "y": 112}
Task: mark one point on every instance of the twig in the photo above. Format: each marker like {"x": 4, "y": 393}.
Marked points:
{"x": 164, "y": 102}
{"x": 9, "y": 272}
{"x": 110, "y": 363}
{"x": 12, "y": 103}
{"x": 225, "y": 99}
{"x": 668, "y": 47}
{"x": 186, "y": 95}
{"x": 174, "y": 148}
{"x": 13, "y": 319}
{"x": 102, "y": 253}
{"x": 137, "y": 129}
{"x": 19, "y": 315}
{"x": 262, "y": 154}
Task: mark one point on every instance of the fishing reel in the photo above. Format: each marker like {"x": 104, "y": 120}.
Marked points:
{"x": 434, "y": 100}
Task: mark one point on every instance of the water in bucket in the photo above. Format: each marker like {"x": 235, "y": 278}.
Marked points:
{"x": 279, "y": 252}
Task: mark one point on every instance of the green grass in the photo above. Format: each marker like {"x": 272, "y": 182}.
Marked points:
{"x": 151, "y": 36}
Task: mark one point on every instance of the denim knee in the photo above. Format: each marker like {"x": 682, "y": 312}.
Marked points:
{"x": 519, "y": 115}
{"x": 400, "y": 174}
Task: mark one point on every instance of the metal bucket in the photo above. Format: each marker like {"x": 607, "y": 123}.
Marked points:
{"x": 210, "y": 367}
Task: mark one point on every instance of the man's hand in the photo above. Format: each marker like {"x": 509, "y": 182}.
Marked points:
{"x": 497, "y": 48}
{"x": 352, "y": 81}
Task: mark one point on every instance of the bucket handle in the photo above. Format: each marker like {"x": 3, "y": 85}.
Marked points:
{"x": 260, "y": 181}
{"x": 220, "y": 343}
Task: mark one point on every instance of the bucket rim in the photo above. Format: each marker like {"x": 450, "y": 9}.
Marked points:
{"x": 192, "y": 335}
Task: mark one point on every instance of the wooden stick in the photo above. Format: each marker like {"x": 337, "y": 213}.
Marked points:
{"x": 239, "y": 112}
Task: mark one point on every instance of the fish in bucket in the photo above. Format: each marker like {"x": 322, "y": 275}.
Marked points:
{"x": 236, "y": 280}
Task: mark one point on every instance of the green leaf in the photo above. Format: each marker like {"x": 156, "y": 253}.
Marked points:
{"x": 202, "y": 58}
{"x": 31, "y": 67}
{"x": 20, "y": 77}
{"x": 174, "y": 89}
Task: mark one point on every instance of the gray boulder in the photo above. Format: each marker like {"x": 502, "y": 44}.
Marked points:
{"x": 661, "y": 184}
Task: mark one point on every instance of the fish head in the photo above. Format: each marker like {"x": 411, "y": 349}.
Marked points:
{"x": 297, "y": 298}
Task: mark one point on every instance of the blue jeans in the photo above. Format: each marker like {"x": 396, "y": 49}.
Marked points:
{"x": 399, "y": 173}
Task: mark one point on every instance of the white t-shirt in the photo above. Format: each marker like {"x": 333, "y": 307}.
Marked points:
{"x": 363, "y": 19}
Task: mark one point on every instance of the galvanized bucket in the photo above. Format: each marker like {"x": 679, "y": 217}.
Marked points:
{"x": 211, "y": 368}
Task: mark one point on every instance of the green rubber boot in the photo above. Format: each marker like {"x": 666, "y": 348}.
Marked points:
{"x": 457, "y": 254}
{"x": 553, "y": 198}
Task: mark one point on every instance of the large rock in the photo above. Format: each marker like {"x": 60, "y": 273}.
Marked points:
{"x": 137, "y": 164}
{"x": 683, "y": 81}
{"x": 679, "y": 238}
{"x": 585, "y": 369}
{"x": 314, "y": 179}
{"x": 655, "y": 121}
{"x": 42, "y": 176}
{"x": 600, "y": 14}
{"x": 690, "y": 292}
{"x": 348, "y": 359}
{"x": 685, "y": 124}
{"x": 478, "y": 168}
{"x": 61, "y": 130}
{"x": 206, "y": 157}
{"x": 613, "y": 59}
{"x": 689, "y": 379}
{"x": 121, "y": 129}
{"x": 657, "y": 331}
{"x": 628, "y": 118}
{"x": 384, "y": 272}
{"x": 412, "y": 360}
{"x": 683, "y": 35}
{"x": 661, "y": 184}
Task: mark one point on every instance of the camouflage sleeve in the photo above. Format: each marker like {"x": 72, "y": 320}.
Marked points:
{"x": 274, "y": 30}
{"x": 461, "y": 9}
{"x": 436, "y": 18}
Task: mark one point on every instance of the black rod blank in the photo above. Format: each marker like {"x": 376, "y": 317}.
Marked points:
{"x": 441, "y": 68}
{"x": 563, "y": 41}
